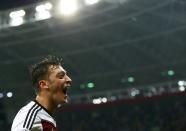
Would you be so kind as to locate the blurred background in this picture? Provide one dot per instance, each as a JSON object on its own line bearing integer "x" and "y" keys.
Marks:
{"x": 127, "y": 59}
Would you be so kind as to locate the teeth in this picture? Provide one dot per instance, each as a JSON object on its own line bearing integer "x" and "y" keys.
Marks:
{"x": 65, "y": 89}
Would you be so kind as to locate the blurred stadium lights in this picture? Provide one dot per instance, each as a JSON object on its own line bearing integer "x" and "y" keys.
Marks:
{"x": 181, "y": 83}
{"x": 130, "y": 93}
{"x": 182, "y": 88}
{"x": 91, "y": 2}
{"x": 171, "y": 72}
{"x": 131, "y": 79}
{"x": 17, "y": 17}
{"x": 9, "y": 94}
{"x": 99, "y": 100}
{"x": 15, "y": 14}
{"x": 90, "y": 85}
{"x": 43, "y": 11}
{"x": 104, "y": 99}
{"x": 68, "y": 7}
{"x": 134, "y": 92}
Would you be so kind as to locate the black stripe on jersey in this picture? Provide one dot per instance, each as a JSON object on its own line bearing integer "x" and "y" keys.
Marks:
{"x": 29, "y": 115}
{"x": 33, "y": 118}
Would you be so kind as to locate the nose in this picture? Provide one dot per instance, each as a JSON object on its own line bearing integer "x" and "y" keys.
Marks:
{"x": 68, "y": 80}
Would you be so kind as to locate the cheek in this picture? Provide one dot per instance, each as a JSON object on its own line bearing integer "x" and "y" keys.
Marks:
{"x": 57, "y": 85}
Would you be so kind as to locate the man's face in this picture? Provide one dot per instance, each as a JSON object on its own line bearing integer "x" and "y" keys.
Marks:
{"x": 59, "y": 82}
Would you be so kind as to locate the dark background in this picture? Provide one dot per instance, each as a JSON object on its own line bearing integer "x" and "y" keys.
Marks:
{"x": 9, "y": 4}
{"x": 104, "y": 44}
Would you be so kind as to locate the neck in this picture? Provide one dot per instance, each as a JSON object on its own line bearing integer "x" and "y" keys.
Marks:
{"x": 46, "y": 103}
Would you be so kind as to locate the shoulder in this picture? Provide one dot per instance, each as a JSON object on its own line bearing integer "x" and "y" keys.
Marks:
{"x": 26, "y": 117}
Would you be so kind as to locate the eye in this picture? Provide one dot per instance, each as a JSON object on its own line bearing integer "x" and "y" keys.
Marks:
{"x": 61, "y": 75}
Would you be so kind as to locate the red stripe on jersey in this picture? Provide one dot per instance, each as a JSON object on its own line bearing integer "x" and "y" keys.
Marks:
{"x": 48, "y": 126}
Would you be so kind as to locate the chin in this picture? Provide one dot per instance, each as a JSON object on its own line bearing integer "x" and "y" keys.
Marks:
{"x": 64, "y": 101}
{"x": 61, "y": 103}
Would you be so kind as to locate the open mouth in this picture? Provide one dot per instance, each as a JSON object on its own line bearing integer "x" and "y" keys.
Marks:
{"x": 65, "y": 90}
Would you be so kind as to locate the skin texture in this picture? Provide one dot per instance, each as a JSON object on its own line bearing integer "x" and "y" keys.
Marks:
{"x": 53, "y": 91}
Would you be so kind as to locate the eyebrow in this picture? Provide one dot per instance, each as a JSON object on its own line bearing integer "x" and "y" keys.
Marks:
{"x": 61, "y": 72}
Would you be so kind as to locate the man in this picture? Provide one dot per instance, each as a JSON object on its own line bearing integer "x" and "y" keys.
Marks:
{"x": 51, "y": 83}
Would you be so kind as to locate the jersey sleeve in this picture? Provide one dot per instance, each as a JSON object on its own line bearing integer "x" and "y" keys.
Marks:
{"x": 25, "y": 121}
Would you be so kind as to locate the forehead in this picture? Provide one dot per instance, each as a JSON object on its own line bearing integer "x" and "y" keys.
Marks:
{"x": 56, "y": 69}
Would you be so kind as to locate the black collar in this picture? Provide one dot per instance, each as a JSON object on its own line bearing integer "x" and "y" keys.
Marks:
{"x": 43, "y": 107}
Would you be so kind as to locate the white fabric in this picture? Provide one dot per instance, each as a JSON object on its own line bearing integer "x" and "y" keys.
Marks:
{"x": 31, "y": 117}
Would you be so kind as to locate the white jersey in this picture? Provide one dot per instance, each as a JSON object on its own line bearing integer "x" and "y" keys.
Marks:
{"x": 33, "y": 117}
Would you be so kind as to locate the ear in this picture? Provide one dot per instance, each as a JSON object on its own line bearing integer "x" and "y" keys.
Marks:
{"x": 43, "y": 84}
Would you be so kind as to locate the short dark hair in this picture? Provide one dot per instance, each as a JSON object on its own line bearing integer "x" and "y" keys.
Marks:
{"x": 40, "y": 70}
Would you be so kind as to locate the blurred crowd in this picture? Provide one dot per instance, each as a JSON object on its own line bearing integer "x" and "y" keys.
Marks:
{"x": 167, "y": 114}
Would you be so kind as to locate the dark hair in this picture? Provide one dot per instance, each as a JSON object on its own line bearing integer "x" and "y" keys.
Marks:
{"x": 40, "y": 70}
